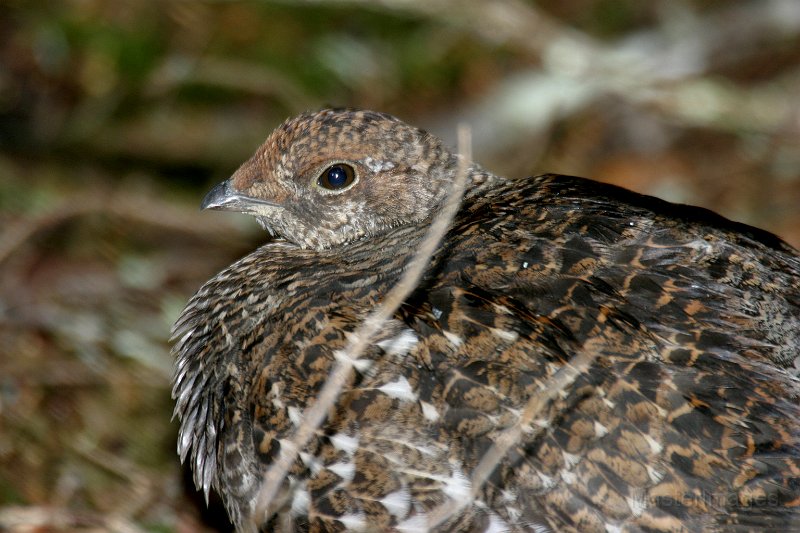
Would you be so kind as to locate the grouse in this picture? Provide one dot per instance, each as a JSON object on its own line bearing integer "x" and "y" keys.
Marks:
{"x": 574, "y": 356}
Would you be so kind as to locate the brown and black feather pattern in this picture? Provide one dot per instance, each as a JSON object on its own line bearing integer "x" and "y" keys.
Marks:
{"x": 688, "y": 420}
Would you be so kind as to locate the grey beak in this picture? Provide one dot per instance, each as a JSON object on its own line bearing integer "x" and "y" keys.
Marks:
{"x": 224, "y": 197}
{"x": 219, "y": 197}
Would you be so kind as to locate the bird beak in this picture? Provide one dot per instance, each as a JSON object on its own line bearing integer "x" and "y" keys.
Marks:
{"x": 225, "y": 198}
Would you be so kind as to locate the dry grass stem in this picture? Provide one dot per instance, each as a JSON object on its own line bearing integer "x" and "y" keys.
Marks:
{"x": 534, "y": 410}
{"x": 314, "y": 416}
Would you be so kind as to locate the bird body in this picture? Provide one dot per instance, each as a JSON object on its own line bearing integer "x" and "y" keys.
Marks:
{"x": 686, "y": 417}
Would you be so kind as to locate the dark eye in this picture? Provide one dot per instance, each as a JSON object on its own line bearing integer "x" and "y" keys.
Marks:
{"x": 336, "y": 177}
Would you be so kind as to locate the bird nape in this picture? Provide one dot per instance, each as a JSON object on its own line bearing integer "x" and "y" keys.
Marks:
{"x": 575, "y": 356}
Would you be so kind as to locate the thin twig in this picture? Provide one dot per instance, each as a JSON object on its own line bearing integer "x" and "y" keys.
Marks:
{"x": 122, "y": 204}
{"x": 551, "y": 388}
{"x": 314, "y": 416}
{"x": 55, "y": 518}
{"x": 141, "y": 488}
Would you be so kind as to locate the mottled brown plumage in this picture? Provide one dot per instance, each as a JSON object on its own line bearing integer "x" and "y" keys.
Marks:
{"x": 688, "y": 418}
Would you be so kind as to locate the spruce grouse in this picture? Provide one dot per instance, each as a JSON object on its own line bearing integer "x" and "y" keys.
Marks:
{"x": 686, "y": 417}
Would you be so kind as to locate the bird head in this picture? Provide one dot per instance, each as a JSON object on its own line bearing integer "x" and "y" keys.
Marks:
{"x": 329, "y": 178}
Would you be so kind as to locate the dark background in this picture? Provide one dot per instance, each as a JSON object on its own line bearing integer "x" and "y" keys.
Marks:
{"x": 116, "y": 117}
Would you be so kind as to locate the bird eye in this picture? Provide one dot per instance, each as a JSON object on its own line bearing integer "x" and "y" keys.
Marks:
{"x": 336, "y": 177}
